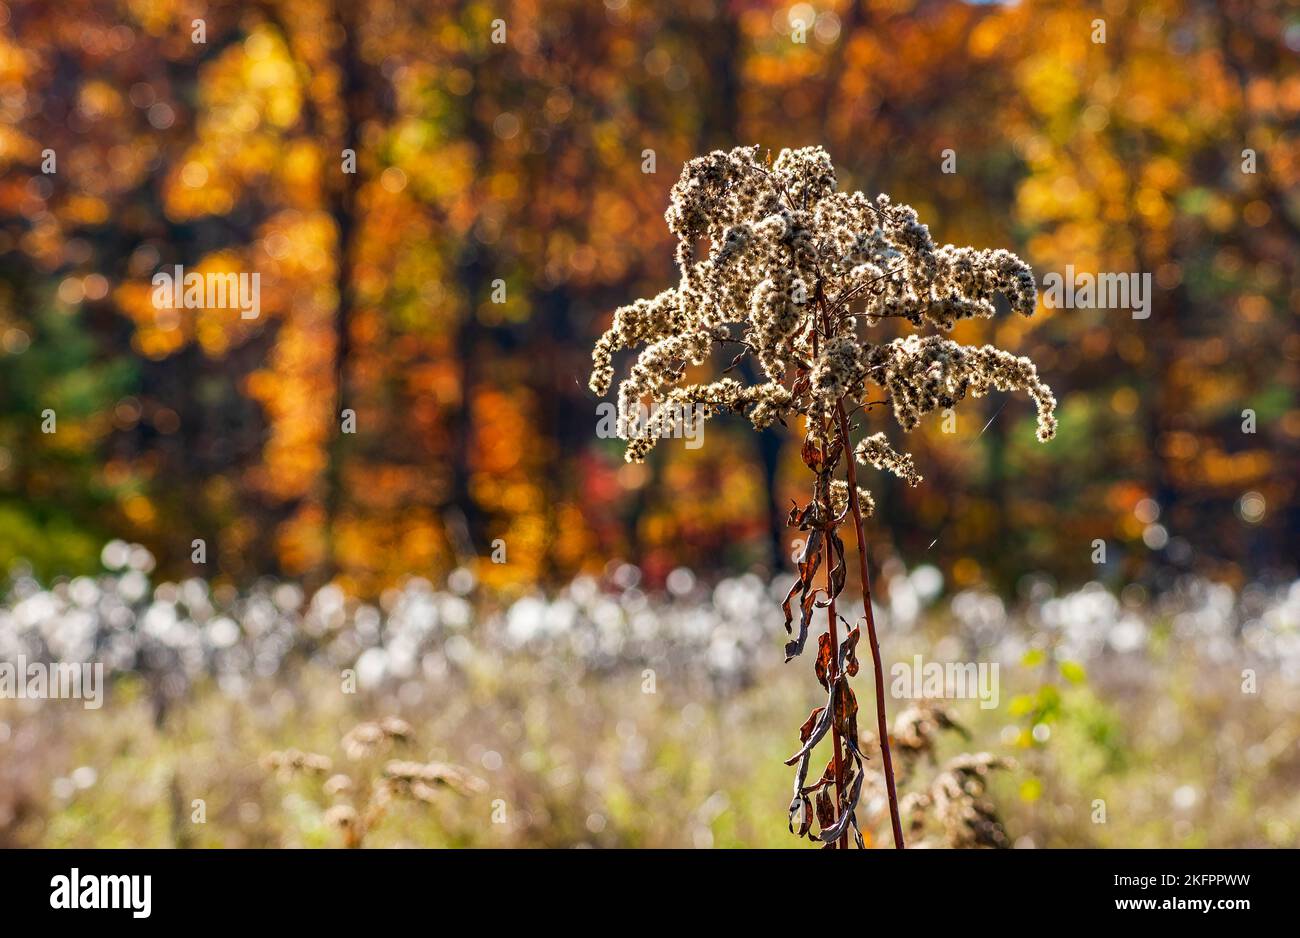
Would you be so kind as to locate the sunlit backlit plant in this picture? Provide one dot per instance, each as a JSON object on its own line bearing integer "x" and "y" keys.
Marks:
{"x": 792, "y": 271}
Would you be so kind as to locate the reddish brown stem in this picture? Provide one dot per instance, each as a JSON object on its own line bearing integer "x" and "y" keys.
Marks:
{"x": 882, "y": 722}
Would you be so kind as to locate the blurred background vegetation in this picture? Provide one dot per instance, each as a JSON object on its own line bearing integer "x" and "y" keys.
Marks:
{"x": 482, "y": 165}
{"x": 522, "y": 162}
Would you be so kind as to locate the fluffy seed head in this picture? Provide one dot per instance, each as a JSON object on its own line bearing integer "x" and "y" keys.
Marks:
{"x": 793, "y": 267}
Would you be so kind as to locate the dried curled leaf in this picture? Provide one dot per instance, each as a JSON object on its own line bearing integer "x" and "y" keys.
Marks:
{"x": 809, "y": 562}
{"x": 838, "y": 569}
{"x": 840, "y": 711}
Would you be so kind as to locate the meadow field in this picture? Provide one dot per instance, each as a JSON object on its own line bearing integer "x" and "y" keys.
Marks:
{"x": 602, "y": 715}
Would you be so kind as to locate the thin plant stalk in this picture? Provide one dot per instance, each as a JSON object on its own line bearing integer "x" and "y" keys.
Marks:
{"x": 882, "y": 722}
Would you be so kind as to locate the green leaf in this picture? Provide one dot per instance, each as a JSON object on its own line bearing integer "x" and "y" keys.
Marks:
{"x": 1073, "y": 672}
{"x": 1020, "y": 705}
{"x": 1033, "y": 658}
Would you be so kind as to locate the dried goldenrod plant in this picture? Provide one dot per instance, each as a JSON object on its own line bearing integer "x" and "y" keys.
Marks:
{"x": 792, "y": 273}
{"x": 953, "y": 809}
{"x": 360, "y": 800}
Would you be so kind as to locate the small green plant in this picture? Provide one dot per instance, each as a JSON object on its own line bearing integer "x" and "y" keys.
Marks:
{"x": 794, "y": 269}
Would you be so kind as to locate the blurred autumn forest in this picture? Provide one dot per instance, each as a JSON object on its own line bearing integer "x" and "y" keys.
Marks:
{"x": 522, "y": 163}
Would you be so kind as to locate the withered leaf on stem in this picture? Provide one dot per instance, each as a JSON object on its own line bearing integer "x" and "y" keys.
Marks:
{"x": 807, "y": 728}
{"x": 850, "y": 643}
{"x": 847, "y": 711}
{"x": 824, "y": 719}
{"x": 812, "y": 454}
{"x": 802, "y": 518}
{"x": 848, "y": 810}
{"x": 809, "y": 562}
{"x": 825, "y": 809}
{"x": 800, "y": 811}
{"x": 800, "y": 806}
{"x": 823, "y": 664}
{"x": 795, "y": 647}
{"x": 818, "y": 460}
{"x": 838, "y": 568}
